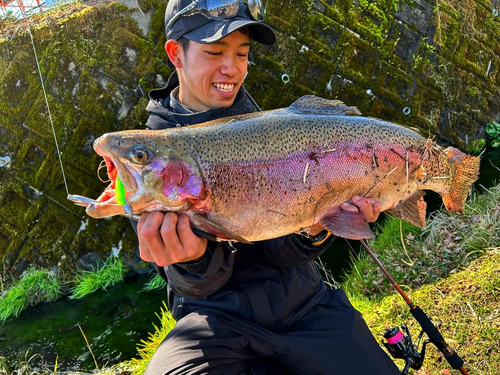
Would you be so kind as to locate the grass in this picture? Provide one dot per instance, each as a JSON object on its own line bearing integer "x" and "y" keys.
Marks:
{"x": 156, "y": 282}
{"x": 451, "y": 269}
{"x": 34, "y": 287}
{"x": 44, "y": 286}
{"x": 416, "y": 257}
{"x": 465, "y": 308}
{"x": 147, "y": 347}
{"x": 29, "y": 365}
{"x": 110, "y": 273}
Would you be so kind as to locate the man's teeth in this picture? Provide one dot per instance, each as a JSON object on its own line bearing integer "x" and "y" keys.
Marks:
{"x": 224, "y": 87}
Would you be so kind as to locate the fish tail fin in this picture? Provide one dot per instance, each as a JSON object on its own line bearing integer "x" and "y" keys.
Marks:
{"x": 467, "y": 172}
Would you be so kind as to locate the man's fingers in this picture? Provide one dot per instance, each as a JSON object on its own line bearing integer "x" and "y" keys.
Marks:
{"x": 169, "y": 234}
{"x": 145, "y": 253}
{"x": 165, "y": 238}
{"x": 151, "y": 243}
{"x": 376, "y": 210}
{"x": 348, "y": 207}
{"x": 194, "y": 246}
{"x": 147, "y": 229}
{"x": 367, "y": 206}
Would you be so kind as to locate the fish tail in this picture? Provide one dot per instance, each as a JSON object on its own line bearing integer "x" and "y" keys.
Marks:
{"x": 467, "y": 172}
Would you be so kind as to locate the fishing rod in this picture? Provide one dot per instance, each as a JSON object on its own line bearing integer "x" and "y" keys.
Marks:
{"x": 401, "y": 346}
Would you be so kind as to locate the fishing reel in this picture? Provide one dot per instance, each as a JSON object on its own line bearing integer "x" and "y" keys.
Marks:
{"x": 400, "y": 346}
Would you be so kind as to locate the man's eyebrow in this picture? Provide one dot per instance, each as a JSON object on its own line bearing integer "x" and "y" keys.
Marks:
{"x": 225, "y": 44}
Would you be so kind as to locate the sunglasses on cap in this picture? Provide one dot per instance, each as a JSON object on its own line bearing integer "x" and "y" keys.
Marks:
{"x": 220, "y": 9}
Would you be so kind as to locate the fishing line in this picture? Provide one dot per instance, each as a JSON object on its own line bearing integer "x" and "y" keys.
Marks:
{"x": 46, "y": 102}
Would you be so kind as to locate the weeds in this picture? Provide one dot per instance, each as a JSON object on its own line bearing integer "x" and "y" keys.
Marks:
{"x": 476, "y": 146}
{"x": 11, "y": 25}
{"x": 36, "y": 286}
{"x": 463, "y": 306}
{"x": 30, "y": 364}
{"x": 493, "y": 130}
{"x": 447, "y": 243}
{"x": 147, "y": 348}
{"x": 156, "y": 282}
{"x": 111, "y": 272}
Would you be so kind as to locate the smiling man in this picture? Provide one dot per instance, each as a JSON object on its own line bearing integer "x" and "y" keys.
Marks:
{"x": 210, "y": 75}
{"x": 242, "y": 309}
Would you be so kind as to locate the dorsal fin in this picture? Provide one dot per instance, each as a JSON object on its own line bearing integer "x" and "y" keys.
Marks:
{"x": 315, "y": 105}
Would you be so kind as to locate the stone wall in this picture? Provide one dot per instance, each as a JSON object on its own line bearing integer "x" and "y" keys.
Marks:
{"x": 437, "y": 60}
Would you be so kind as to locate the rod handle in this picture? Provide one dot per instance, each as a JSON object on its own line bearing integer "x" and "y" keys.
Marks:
{"x": 436, "y": 338}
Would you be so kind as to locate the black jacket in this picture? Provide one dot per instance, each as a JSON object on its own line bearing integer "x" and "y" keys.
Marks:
{"x": 272, "y": 283}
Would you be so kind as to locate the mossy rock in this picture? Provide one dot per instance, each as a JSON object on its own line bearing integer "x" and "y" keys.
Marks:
{"x": 438, "y": 59}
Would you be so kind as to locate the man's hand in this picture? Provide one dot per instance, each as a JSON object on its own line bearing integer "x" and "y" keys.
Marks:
{"x": 367, "y": 206}
{"x": 166, "y": 238}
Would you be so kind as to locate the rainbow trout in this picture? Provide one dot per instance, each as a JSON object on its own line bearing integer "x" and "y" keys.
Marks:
{"x": 264, "y": 175}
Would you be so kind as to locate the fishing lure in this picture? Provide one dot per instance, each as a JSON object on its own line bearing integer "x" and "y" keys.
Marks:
{"x": 119, "y": 191}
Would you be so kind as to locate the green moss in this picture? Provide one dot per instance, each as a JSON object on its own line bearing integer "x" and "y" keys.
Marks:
{"x": 157, "y": 33}
{"x": 121, "y": 7}
{"x": 98, "y": 67}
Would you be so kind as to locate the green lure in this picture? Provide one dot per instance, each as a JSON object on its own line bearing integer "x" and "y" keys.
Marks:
{"x": 119, "y": 191}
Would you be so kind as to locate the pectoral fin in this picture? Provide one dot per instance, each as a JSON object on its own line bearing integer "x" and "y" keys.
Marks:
{"x": 216, "y": 229}
{"x": 347, "y": 224}
{"x": 412, "y": 210}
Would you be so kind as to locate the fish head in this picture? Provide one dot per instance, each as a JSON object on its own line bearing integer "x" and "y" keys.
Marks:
{"x": 155, "y": 176}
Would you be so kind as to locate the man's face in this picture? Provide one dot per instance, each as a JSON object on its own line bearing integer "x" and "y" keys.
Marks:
{"x": 212, "y": 74}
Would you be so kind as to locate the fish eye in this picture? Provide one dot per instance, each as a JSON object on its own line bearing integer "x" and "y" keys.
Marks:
{"x": 139, "y": 155}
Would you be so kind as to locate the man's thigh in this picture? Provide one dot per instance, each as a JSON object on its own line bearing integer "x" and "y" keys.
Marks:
{"x": 210, "y": 342}
{"x": 334, "y": 339}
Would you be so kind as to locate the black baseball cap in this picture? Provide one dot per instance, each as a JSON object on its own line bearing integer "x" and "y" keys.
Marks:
{"x": 201, "y": 29}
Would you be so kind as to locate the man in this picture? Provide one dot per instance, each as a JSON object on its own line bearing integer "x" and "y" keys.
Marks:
{"x": 242, "y": 309}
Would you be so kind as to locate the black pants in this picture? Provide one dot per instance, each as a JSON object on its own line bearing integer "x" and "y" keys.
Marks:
{"x": 331, "y": 339}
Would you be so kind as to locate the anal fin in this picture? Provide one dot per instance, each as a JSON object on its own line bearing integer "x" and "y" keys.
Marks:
{"x": 218, "y": 230}
{"x": 347, "y": 224}
{"x": 412, "y": 210}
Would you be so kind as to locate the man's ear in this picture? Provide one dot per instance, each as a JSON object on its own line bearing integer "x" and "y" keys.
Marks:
{"x": 174, "y": 52}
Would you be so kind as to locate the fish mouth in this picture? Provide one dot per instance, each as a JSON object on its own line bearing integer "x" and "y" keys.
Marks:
{"x": 107, "y": 204}
{"x": 128, "y": 176}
